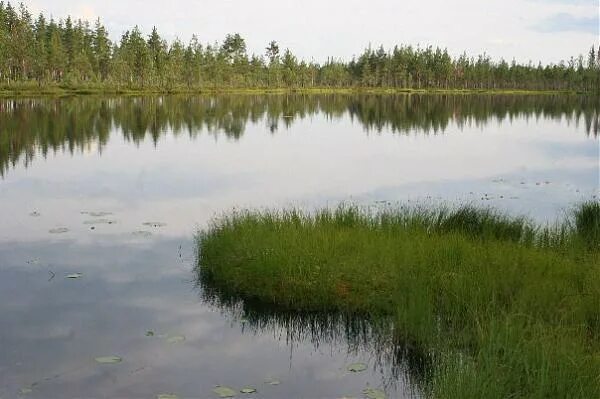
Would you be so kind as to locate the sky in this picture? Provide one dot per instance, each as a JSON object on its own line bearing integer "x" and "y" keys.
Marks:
{"x": 536, "y": 30}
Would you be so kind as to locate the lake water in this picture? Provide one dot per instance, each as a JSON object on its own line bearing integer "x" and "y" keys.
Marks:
{"x": 116, "y": 188}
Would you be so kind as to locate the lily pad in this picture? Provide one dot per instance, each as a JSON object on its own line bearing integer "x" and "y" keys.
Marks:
{"x": 154, "y": 224}
{"x": 74, "y": 275}
{"x": 357, "y": 367}
{"x": 175, "y": 339}
{"x": 96, "y": 214}
{"x": 167, "y": 396}
{"x": 224, "y": 392}
{"x": 372, "y": 393}
{"x": 248, "y": 390}
{"x": 272, "y": 381}
{"x": 142, "y": 233}
{"x": 58, "y": 230}
{"x": 108, "y": 359}
{"x": 100, "y": 221}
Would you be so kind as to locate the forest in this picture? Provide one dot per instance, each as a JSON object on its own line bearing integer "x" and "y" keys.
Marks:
{"x": 41, "y": 52}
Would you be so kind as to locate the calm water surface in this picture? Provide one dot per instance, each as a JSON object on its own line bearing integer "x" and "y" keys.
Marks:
{"x": 100, "y": 169}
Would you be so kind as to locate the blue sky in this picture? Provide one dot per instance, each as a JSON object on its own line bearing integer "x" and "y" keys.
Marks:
{"x": 544, "y": 30}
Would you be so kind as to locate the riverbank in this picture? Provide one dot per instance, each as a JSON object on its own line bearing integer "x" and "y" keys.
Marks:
{"x": 504, "y": 308}
{"x": 35, "y": 90}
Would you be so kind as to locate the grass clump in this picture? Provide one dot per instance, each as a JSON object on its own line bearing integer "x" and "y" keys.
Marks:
{"x": 587, "y": 224}
{"x": 506, "y": 309}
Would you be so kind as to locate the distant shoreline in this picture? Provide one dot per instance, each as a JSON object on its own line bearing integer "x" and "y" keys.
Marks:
{"x": 70, "y": 91}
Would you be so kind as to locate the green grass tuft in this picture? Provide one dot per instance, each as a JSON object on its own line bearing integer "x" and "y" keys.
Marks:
{"x": 587, "y": 223}
{"x": 506, "y": 309}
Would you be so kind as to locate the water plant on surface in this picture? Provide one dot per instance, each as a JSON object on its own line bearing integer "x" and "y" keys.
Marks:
{"x": 503, "y": 307}
{"x": 357, "y": 367}
{"x": 58, "y": 230}
{"x": 224, "y": 392}
{"x": 108, "y": 359}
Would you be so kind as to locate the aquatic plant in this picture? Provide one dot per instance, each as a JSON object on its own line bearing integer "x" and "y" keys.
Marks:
{"x": 503, "y": 307}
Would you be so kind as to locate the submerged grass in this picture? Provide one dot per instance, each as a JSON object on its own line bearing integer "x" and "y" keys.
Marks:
{"x": 505, "y": 308}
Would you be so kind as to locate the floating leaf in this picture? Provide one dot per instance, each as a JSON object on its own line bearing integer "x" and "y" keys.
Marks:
{"x": 142, "y": 233}
{"x": 154, "y": 224}
{"x": 99, "y": 214}
{"x": 108, "y": 359}
{"x": 224, "y": 392}
{"x": 58, "y": 230}
{"x": 167, "y": 396}
{"x": 96, "y": 214}
{"x": 74, "y": 275}
{"x": 272, "y": 381}
{"x": 248, "y": 390}
{"x": 372, "y": 393}
{"x": 175, "y": 339}
{"x": 100, "y": 221}
{"x": 357, "y": 367}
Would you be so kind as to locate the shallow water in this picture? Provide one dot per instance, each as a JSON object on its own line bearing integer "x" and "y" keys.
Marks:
{"x": 115, "y": 188}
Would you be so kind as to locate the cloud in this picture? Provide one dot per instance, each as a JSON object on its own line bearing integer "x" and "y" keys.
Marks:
{"x": 307, "y": 27}
{"x": 563, "y": 22}
{"x": 573, "y": 2}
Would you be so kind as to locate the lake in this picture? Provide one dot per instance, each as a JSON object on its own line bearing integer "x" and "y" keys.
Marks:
{"x": 101, "y": 198}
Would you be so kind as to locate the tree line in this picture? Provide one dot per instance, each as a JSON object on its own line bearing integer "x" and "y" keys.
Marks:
{"x": 43, "y": 51}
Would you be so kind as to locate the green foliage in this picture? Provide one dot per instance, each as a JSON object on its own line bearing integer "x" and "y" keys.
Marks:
{"x": 74, "y": 54}
{"x": 587, "y": 223}
{"x": 502, "y": 310}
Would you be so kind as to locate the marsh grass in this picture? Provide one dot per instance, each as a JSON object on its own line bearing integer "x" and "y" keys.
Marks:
{"x": 586, "y": 224}
{"x": 507, "y": 308}
{"x": 35, "y": 89}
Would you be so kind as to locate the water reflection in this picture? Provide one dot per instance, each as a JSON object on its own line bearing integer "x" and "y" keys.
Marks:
{"x": 404, "y": 366}
{"x": 29, "y": 126}
{"x": 52, "y": 330}
{"x": 181, "y": 160}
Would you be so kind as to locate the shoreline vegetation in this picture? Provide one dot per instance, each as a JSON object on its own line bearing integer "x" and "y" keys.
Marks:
{"x": 60, "y": 91}
{"x": 42, "y": 55}
{"x": 499, "y": 306}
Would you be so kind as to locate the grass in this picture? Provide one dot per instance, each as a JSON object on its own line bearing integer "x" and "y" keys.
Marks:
{"x": 504, "y": 308}
{"x": 34, "y": 89}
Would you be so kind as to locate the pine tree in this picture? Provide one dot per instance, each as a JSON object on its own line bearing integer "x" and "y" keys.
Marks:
{"x": 101, "y": 50}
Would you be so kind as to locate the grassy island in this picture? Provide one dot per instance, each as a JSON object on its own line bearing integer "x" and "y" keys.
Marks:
{"x": 502, "y": 307}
